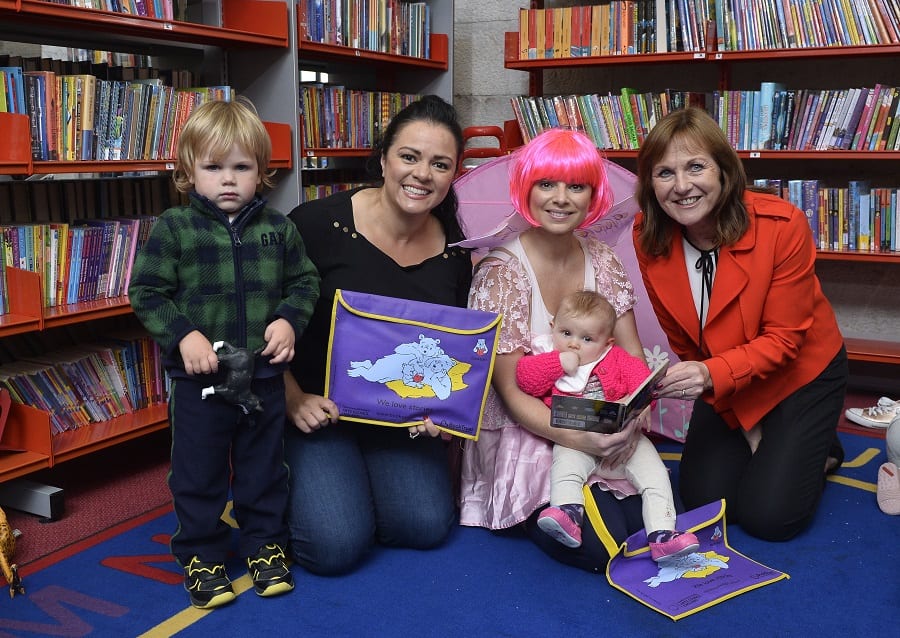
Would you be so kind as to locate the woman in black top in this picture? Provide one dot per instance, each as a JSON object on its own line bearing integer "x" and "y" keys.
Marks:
{"x": 353, "y": 484}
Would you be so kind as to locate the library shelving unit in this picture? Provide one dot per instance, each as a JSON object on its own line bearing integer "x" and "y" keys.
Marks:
{"x": 243, "y": 43}
{"x": 254, "y": 46}
{"x": 263, "y": 26}
{"x": 744, "y": 69}
{"x": 367, "y": 70}
{"x": 27, "y": 439}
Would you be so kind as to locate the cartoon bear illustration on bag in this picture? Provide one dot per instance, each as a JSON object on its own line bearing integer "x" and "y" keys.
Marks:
{"x": 416, "y": 364}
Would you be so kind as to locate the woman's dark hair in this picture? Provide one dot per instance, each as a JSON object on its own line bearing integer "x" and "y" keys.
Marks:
{"x": 433, "y": 109}
{"x": 697, "y": 130}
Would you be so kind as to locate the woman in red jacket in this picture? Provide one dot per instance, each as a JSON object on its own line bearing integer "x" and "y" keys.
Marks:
{"x": 731, "y": 276}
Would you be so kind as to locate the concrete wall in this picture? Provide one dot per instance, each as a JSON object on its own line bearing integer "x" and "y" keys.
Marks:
{"x": 481, "y": 86}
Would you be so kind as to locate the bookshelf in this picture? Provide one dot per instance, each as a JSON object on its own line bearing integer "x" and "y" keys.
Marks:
{"x": 257, "y": 47}
{"x": 28, "y": 433}
{"x": 364, "y": 70}
{"x": 707, "y": 68}
{"x": 236, "y": 33}
{"x": 243, "y": 27}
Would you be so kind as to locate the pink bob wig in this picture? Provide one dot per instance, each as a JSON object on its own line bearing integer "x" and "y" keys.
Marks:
{"x": 560, "y": 155}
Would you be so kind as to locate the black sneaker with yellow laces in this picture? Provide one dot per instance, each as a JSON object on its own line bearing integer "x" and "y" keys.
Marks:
{"x": 207, "y": 584}
{"x": 269, "y": 571}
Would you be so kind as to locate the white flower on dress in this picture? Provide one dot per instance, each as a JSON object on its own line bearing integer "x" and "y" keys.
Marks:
{"x": 656, "y": 357}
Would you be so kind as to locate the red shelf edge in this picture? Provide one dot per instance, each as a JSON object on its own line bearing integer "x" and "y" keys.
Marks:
{"x": 17, "y": 464}
{"x": 439, "y": 43}
{"x": 336, "y": 152}
{"x": 28, "y": 430}
{"x": 28, "y": 315}
{"x": 513, "y": 61}
{"x": 272, "y": 31}
{"x": 281, "y": 158}
{"x": 98, "y": 436}
{"x": 858, "y": 255}
{"x": 873, "y": 350}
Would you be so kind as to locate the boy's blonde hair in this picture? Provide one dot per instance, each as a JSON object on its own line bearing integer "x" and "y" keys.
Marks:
{"x": 587, "y": 303}
{"x": 217, "y": 127}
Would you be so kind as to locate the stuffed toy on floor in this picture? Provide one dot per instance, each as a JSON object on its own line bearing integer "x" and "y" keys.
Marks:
{"x": 7, "y": 550}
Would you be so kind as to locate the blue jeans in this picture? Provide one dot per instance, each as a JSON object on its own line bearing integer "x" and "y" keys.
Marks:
{"x": 353, "y": 485}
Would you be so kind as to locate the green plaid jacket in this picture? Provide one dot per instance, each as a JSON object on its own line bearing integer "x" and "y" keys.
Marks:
{"x": 229, "y": 281}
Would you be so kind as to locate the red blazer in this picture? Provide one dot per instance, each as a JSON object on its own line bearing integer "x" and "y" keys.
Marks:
{"x": 769, "y": 330}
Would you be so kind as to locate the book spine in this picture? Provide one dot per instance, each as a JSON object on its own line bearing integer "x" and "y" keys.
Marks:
{"x": 855, "y": 191}
{"x": 89, "y": 93}
{"x": 810, "y": 207}
{"x": 878, "y": 119}
{"x": 860, "y": 136}
{"x": 629, "y": 118}
{"x": 766, "y": 100}
{"x": 862, "y": 229}
{"x": 891, "y": 144}
{"x": 35, "y": 117}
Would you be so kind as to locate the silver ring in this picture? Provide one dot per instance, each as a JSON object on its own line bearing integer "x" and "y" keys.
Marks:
{"x": 413, "y": 435}
{"x": 682, "y": 393}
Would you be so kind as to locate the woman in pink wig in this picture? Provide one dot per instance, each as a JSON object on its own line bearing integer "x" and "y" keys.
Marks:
{"x": 558, "y": 184}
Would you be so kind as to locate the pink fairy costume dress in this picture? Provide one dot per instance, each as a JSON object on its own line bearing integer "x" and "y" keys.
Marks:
{"x": 506, "y": 473}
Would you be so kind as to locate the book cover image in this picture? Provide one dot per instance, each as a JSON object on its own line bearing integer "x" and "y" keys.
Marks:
{"x": 598, "y": 415}
{"x": 395, "y": 361}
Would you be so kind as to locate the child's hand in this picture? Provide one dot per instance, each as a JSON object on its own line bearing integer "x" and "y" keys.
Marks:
{"x": 279, "y": 341}
{"x": 197, "y": 354}
{"x": 569, "y": 361}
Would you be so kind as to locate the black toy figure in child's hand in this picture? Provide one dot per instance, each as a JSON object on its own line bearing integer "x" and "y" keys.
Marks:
{"x": 239, "y": 363}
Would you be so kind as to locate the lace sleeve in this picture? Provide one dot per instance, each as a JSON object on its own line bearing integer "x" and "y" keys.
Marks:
{"x": 611, "y": 277}
{"x": 500, "y": 285}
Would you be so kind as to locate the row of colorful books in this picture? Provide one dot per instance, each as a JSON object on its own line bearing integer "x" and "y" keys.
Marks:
{"x": 82, "y": 117}
{"x": 12, "y": 90}
{"x": 771, "y": 118}
{"x": 81, "y": 385}
{"x": 859, "y": 118}
{"x": 648, "y": 26}
{"x": 337, "y": 117}
{"x": 84, "y": 262}
{"x": 858, "y": 217}
{"x": 310, "y": 192}
{"x": 386, "y": 26}
{"x": 162, "y": 9}
{"x": 105, "y": 65}
{"x": 612, "y": 28}
{"x": 613, "y": 121}
{"x": 748, "y": 25}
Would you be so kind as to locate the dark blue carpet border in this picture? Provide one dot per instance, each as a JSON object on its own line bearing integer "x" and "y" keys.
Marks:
{"x": 843, "y": 581}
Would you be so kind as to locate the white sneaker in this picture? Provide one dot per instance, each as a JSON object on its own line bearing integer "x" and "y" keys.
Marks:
{"x": 877, "y": 416}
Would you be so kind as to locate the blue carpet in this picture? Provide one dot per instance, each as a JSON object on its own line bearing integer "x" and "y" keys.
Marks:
{"x": 844, "y": 580}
